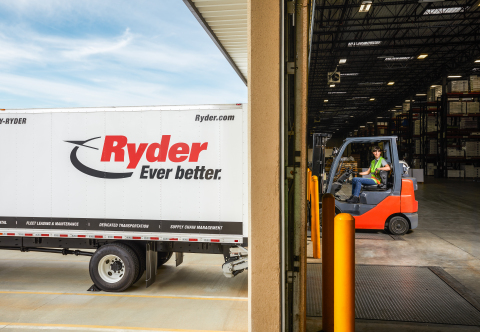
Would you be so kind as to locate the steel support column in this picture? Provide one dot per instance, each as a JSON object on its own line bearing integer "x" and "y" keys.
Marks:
{"x": 296, "y": 32}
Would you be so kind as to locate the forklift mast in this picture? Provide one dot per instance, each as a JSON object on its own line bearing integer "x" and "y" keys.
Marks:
{"x": 318, "y": 157}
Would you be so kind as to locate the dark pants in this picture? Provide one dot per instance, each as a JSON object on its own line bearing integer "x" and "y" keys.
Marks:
{"x": 357, "y": 185}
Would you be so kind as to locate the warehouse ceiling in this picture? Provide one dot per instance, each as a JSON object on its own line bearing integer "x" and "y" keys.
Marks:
{"x": 385, "y": 44}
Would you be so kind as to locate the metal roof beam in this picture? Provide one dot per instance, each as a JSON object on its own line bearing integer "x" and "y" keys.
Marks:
{"x": 397, "y": 40}
{"x": 214, "y": 38}
{"x": 406, "y": 46}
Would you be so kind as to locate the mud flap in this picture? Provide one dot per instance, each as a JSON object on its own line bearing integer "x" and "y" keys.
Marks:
{"x": 151, "y": 268}
{"x": 178, "y": 258}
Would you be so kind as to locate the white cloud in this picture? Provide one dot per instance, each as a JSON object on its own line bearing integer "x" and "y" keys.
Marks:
{"x": 131, "y": 50}
{"x": 57, "y": 53}
{"x": 93, "y": 47}
{"x": 50, "y": 93}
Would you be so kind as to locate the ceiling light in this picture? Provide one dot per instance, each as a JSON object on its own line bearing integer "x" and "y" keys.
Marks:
{"x": 398, "y": 106}
{"x": 332, "y": 85}
{"x": 365, "y": 6}
{"x": 454, "y": 76}
{"x": 372, "y": 99}
{"x": 433, "y": 86}
{"x": 421, "y": 94}
{"x": 407, "y": 101}
{"x": 351, "y": 116}
{"x": 367, "y": 43}
{"x": 336, "y": 92}
{"x": 390, "y": 83}
{"x": 448, "y": 10}
{"x": 422, "y": 56}
{"x": 362, "y": 126}
{"x": 399, "y": 58}
{"x": 349, "y": 74}
{"x": 420, "y": 1}
{"x": 371, "y": 83}
{"x": 478, "y": 59}
{"x": 369, "y": 122}
{"x": 325, "y": 101}
{"x": 342, "y": 61}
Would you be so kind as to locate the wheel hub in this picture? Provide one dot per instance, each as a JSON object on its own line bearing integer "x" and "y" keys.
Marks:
{"x": 111, "y": 268}
{"x": 116, "y": 266}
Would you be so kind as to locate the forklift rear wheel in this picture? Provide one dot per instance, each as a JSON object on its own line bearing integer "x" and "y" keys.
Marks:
{"x": 398, "y": 225}
{"x": 114, "y": 267}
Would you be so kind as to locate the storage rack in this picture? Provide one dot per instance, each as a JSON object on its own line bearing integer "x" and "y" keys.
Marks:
{"x": 402, "y": 130}
{"x": 454, "y": 138}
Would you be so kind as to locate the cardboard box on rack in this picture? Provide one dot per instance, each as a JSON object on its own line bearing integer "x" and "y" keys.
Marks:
{"x": 473, "y": 107}
{"x": 434, "y": 93}
{"x": 474, "y": 81}
{"x": 470, "y": 171}
{"x": 455, "y": 173}
{"x": 456, "y": 107}
{"x": 460, "y": 86}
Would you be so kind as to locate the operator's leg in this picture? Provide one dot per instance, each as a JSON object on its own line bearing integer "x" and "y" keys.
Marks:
{"x": 357, "y": 187}
{"x": 355, "y": 184}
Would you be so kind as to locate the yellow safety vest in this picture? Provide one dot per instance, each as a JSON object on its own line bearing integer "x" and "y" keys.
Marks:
{"x": 373, "y": 170}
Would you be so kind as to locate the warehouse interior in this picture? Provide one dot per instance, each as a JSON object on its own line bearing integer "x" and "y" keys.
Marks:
{"x": 405, "y": 68}
{"x": 409, "y": 69}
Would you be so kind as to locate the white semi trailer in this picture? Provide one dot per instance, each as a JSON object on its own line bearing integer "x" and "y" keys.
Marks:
{"x": 136, "y": 184}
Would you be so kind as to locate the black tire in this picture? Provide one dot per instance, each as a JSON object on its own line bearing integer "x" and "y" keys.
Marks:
{"x": 114, "y": 267}
{"x": 163, "y": 257}
{"x": 398, "y": 225}
{"x": 141, "y": 253}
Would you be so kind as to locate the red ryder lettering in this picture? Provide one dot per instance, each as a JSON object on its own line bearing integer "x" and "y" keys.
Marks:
{"x": 154, "y": 152}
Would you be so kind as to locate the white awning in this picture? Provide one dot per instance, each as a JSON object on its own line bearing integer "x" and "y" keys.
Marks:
{"x": 225, "y": 21}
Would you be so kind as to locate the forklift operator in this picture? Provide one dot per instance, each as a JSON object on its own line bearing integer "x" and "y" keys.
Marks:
{"x": 377, "y": 165}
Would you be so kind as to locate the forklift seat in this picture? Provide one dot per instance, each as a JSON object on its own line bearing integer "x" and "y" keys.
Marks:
{"x": 378, "y": 187}
{"x": 374, "y": 187}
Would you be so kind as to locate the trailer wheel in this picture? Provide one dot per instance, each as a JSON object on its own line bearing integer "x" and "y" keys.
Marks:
{"x": 163, "y": 257}
{"x": 141, "y": 255}
{"x": 114, "y": 267}
{"x": 398, "y": 225}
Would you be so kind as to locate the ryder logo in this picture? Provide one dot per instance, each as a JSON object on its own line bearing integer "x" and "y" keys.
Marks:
{"x": 90, "y": 171}
{"x": 116, "y": 147}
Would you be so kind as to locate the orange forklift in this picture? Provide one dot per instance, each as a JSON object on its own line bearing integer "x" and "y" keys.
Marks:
{"x": 389, "y": 206}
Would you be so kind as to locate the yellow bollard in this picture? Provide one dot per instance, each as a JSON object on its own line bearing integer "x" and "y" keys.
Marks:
{"x": 309, "y": 185}
{"x": 328, "y": 215}
{"x": 315, "y": 219}
{"x": 344, "y": 273}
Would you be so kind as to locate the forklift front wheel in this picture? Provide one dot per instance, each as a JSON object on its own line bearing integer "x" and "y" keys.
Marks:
{"x": 398, "y": 225}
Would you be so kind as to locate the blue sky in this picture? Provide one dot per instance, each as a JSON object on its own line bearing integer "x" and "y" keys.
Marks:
{"x": 66, "y": 53}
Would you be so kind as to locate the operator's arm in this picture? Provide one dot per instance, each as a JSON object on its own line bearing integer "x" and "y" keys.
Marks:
{"x": 384, "y": 168}
{"x": 365, "y": 173}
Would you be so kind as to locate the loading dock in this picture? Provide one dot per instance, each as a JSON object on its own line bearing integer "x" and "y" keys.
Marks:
{"x": 448, "y": 227}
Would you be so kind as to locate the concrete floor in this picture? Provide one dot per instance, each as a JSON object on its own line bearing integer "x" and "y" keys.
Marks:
{"x": 448, "y": 236}
{"x": 48, "y": 291}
